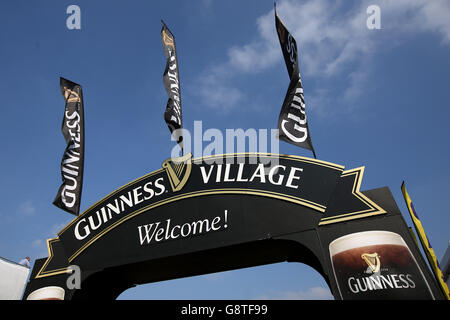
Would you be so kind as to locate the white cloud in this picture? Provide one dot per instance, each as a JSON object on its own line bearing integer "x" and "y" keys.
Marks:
{"x": 27, "y": 208}
{"x": 38, "y": 249}
{"x": 417, "y": 16}
{"x": 214, "y": 89}
{"x": 36, "y": 243}
{"x": 314, "y": 293}
{"x": 57, "y": 228}
{"x": 39, "y": 246}
{"x": 333, "y": 42}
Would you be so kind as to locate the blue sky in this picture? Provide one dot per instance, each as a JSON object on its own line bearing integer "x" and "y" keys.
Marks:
{"x": 375, "y": 98}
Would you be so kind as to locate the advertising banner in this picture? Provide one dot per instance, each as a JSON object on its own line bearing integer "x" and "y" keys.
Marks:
{"x": 377, "y": 265}
{"x": 292, "y": 122}
{"x": 173, "y": 114}
{"x": 68, "y": 197}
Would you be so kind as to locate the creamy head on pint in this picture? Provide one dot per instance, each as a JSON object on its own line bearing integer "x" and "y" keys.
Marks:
{"x": 47, "y": 293}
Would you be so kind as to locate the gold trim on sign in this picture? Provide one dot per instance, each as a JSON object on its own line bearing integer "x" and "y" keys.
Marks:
{"x": 43, "y": 273}
{"x": 374, "y": 209}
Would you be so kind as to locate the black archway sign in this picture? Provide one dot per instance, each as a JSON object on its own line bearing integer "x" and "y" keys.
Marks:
{"x": 224, "y": 212}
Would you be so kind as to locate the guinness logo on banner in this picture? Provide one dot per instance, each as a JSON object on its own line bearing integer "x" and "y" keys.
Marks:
{"x": 168, "y": 40}
{"x": 71, "y": 95}
{"x": 372, "y": 260}
{"x": 178, "y": 171}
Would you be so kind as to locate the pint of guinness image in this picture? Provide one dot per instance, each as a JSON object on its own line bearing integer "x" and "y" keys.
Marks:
{"x": 47, "y": 293}
{"x": 376, "y": 265}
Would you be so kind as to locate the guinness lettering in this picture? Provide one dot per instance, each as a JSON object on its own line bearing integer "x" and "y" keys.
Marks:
{"x": 70, "y": 163}
{"x": 174, "y": 88}
{"x": 296, "y": 113}
{"x": 392, "y": 281}
{"x": 117, "y": 206}
{"x": 291, "y": 48}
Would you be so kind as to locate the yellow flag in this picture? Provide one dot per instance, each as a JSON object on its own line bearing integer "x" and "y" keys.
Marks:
{"x": 426, "y": 245}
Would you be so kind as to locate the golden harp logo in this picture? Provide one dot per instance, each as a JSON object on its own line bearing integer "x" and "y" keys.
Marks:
{"x": 71, "y": 95}
{"x": 168, "y": 40}
{"x": 178, "y": 170}
{"x": 373, "y": 261}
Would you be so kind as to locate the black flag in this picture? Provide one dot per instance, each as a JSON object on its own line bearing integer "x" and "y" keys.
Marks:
{"x": 292, "y": 123}
{"x": 72, "y": 163}
{"x": 173, "y": 114}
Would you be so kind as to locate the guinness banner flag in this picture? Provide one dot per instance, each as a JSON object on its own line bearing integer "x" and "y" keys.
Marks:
{"x": 72, "y": 163}
{"x": 173, "y": 115}
{"x": 426, "y": 245}
{"x": 292, "y": 123}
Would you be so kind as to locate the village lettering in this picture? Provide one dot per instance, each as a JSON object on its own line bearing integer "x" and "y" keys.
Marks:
{"x": 278, "y": 175}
